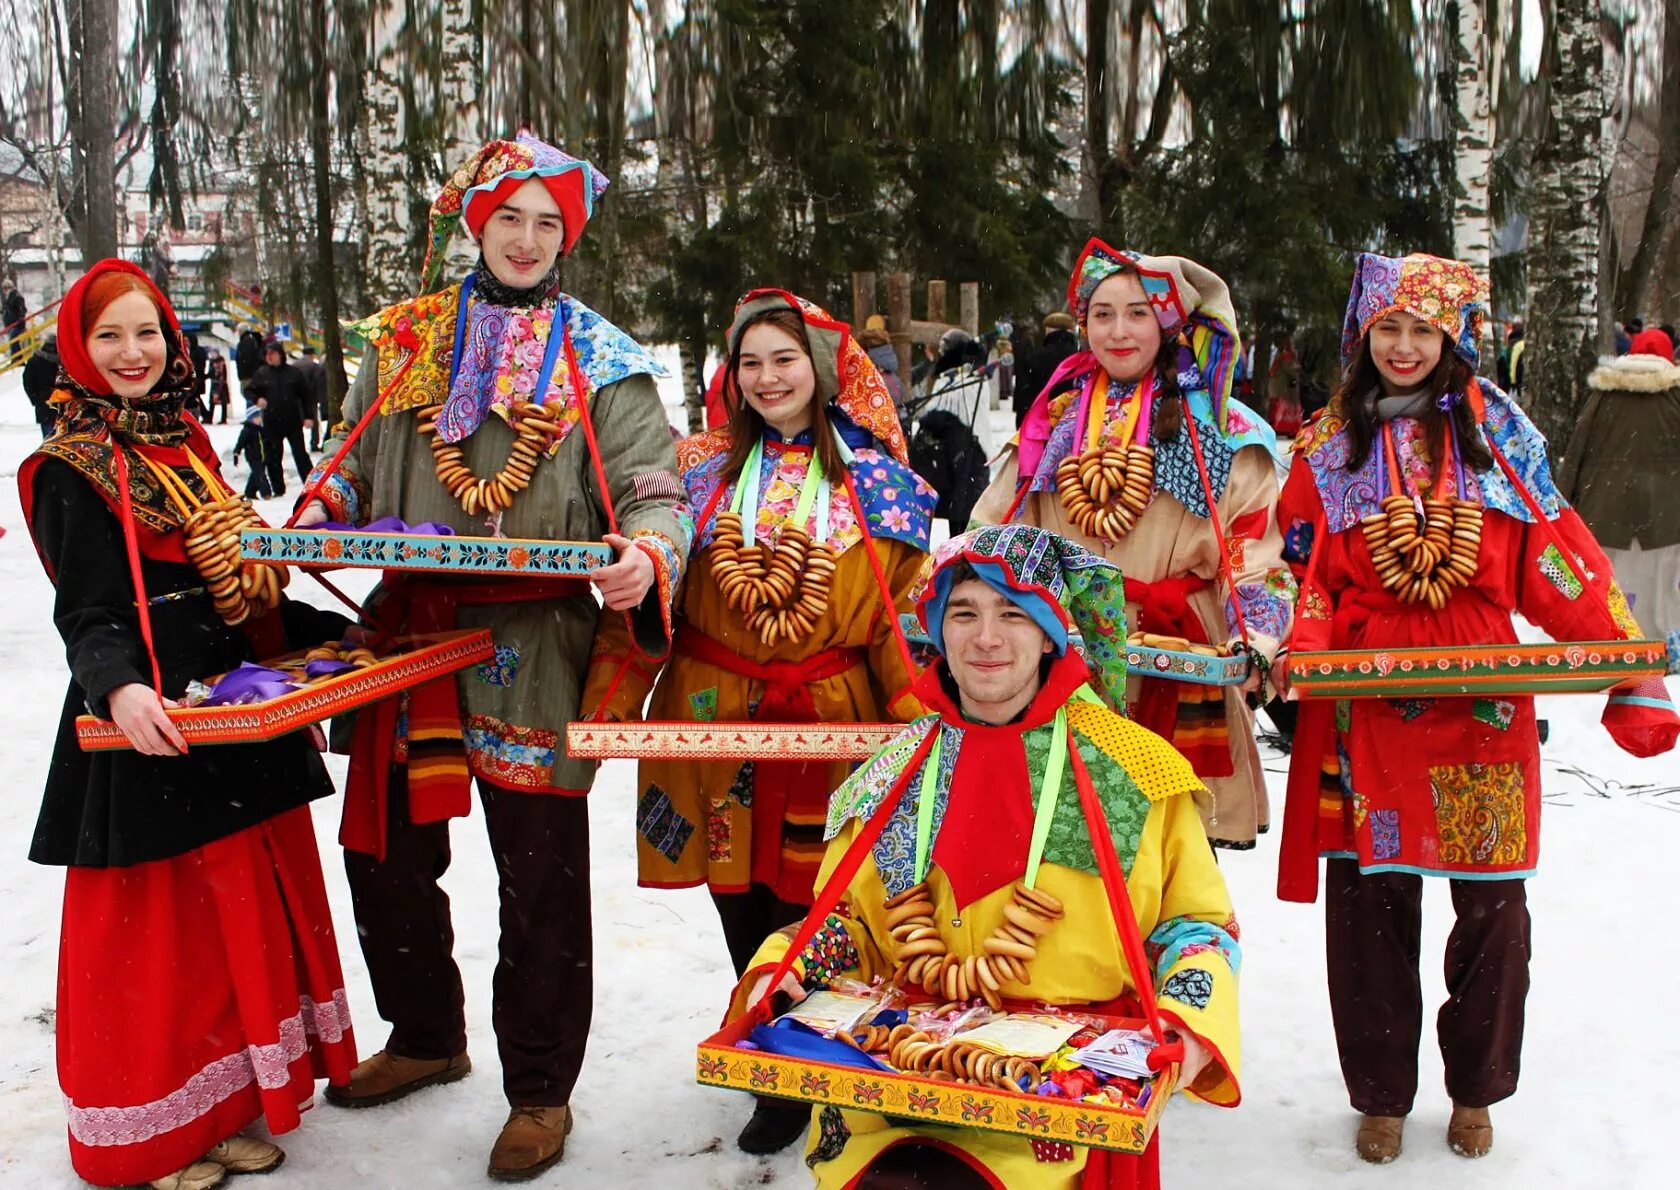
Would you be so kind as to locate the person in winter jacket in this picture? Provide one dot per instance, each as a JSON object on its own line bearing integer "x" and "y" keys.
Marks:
{"x": 13, "y": 311}
{"x": 285, "y": 395}
{"x": 316, "y": 412}
{"x": 248, "y": 356}
{"x": 255, "y": 450}
{"x": 1621, "y": 470}
{"x": 1033, "y": 372}
{"x": 40, "y": 375}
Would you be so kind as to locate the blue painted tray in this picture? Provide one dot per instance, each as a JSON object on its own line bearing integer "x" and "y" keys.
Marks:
{"x": 332, "y": 548}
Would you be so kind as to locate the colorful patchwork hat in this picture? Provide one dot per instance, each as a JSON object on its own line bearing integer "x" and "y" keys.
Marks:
{"x": 1447, "y": 294}
{"x": 846, "y": 376}
{"x": 1061, "y": 585}
{"x": 1189, "y": 300}
{"x": 488, "y": 179}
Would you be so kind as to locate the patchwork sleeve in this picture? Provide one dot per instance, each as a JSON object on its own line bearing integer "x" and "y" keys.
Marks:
{"x": 843, "y": 945}
{"x": 1195, "y": 952}
{"x": 347, "y": 494}
{"x": 1261, "y": 583}
{"x": 640, "y": 462}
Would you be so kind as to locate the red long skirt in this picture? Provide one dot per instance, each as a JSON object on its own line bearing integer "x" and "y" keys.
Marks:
{"x": 197, "y": 995}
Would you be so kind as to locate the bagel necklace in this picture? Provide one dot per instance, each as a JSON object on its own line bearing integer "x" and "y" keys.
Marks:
{"x": 782, "y": 589}
{"x": 1106, "y": 487}
{"x": 239, "y": 589}
{"x": 1422, "y": 548}
{"x": 923, "y": 958}
{"x": 535, "y": 426}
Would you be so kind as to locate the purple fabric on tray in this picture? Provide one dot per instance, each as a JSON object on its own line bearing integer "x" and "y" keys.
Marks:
{"x": 390, "y": 524}
{"x": 249, "y": 683}
{"x": 320, "y": 669}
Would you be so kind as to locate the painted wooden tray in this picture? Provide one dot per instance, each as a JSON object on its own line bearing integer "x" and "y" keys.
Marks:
{"x": 727, "y": 740}
{"x": 1125, "y": 1129}
{"x": 409, "y": 661}
{"x": 1577, "y": 668}
{"x": 330, "y": 548}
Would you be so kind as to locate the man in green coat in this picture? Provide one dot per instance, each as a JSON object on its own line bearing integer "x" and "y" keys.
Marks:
{"x": 505, "y": 408}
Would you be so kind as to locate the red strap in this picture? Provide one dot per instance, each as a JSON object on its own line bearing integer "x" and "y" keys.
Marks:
{"x": 841, "y": 878}
{"x": 1119, "y": 900}
{"x": 1539, "y": 514}
{"x": 1218, "y": 529}
{"x": 887, "y": 600}
{"x": 132, "y": 545}
{"x": 576, "y": 382}
{"x": 1015, "y": 504}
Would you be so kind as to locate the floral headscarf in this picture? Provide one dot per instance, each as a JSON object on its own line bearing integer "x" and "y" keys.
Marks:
{"x": 1447, "y": 294}
{"x": 1061, "y": 585}
{"x": 846, "y": 377}
{"x": 1189, "y": 300}
{"x": 489, "y": 178}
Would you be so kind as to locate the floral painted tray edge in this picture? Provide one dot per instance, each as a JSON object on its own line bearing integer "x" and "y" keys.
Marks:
{"x": 726, "y": 740}
{"x": 422, "y": 551}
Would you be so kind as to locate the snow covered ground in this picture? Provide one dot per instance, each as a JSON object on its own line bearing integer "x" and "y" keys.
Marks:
{"x": 1591, "y": 1112}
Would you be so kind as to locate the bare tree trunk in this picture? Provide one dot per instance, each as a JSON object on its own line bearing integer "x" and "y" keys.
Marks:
{"x": 463, "y": 81}
{"x": 1632, "y": 281}
{"x": 94, "y": 63}
{"x": 694, "y": 395}
{"x": 1566, "y": 207}
{"x": 388, "y": 269}
{"x": 1096, "y": 107}
{"x": 326, "y": 268}
{"x": 1472, "y": 119}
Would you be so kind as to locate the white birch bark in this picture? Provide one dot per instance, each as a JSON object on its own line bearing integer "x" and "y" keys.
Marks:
{"x": 463, "y": 83}
{"x": 1566, "y": 206}
{"x": 1472, "y": 139}
{"x": 389, "y": 271}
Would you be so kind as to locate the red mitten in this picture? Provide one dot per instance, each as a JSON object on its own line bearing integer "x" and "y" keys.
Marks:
{"x": 1641, "y": 718}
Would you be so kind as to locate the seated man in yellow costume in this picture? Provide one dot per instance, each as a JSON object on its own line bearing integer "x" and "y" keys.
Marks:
{"x": 1011, "y": 703}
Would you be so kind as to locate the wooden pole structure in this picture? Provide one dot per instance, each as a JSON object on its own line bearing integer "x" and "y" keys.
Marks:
{"x": 863, "y": 298}
{"x": 936, "y": 301}
{"x": 968, "y": 306}
{"x": 898, "y": 320}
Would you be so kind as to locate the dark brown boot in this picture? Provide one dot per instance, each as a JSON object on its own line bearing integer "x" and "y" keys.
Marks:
{"x": 1379, "y": 1138}
{"x": 387, "y": 1077}
{"x": 532, "y": 1140}
{"x": 1470, "y": 1131}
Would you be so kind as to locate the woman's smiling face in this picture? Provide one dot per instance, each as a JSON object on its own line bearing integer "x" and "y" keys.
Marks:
{"x": 1122, "y": 329}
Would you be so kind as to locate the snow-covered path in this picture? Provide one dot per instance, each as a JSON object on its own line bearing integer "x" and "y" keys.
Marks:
{"x": 1591, "y": 1112}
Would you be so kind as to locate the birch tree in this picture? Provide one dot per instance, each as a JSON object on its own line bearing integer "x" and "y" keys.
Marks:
{"x": 389, "y": 270}
{"x": 462, "y": 69}
{"x": 1472, "y": 132}
{"x": 1566, "y": 204}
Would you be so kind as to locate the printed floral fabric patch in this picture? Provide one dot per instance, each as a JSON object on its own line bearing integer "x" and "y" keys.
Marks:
{"x": 509, "y": 754}
{"x": 1411, "y": 708}
{"x": 1480, "y": 815}
{"x": 1385, "y": 834}
{"x": 657, "y": 820}
{"x": 741, "y": 788}
{"x": 1193, "y": 987}
{"x": 501, "y": 669}
{"x": 1495, "y": 712}
{"x": 832, "y": 1135}
{"x": 704, "y": 704}
{"x": 720, "y": 847}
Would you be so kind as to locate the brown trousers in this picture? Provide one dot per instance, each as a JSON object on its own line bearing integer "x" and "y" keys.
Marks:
{"x": 542, "y": 996}
{"x": 1372, "y": 925}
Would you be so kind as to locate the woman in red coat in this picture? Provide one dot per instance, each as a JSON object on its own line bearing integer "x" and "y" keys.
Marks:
{"x": 199, "y": 988}
{"x": 1415, "y": 454}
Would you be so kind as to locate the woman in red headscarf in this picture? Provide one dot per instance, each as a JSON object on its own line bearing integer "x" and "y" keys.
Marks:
{"x": 199, "y": 988}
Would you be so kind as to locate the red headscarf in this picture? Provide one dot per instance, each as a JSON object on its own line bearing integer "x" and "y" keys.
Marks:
{"x": 1651, "y": 341}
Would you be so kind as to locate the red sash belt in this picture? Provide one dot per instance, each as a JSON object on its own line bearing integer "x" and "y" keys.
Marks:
{"x": 780, "y": 788}
{"x": 439, "y": 782}
{"x": 1192, "y": 717}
